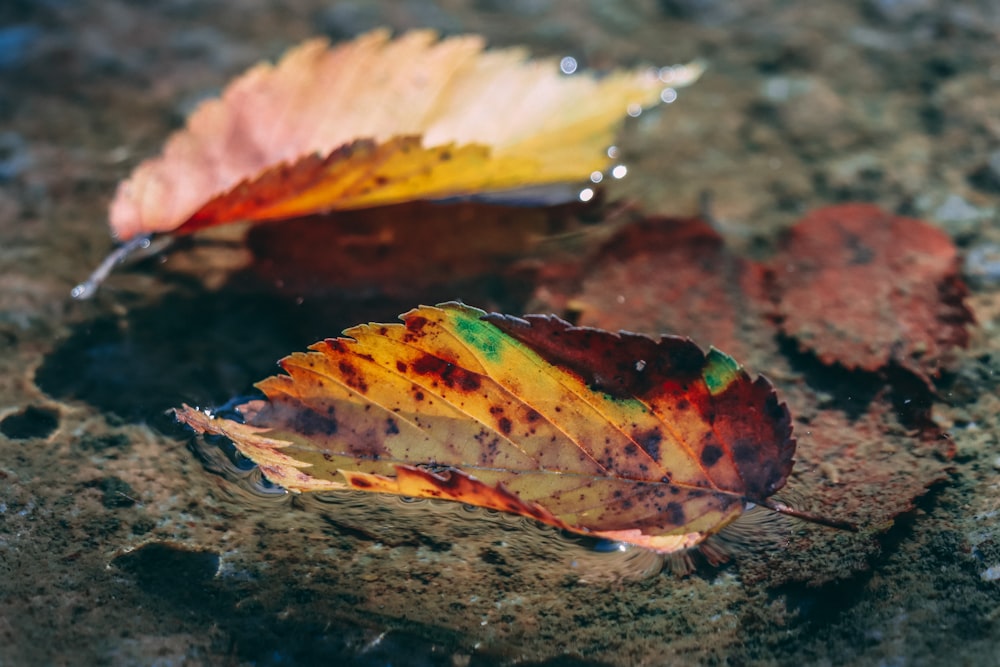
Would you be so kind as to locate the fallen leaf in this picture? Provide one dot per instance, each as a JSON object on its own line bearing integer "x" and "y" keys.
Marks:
{"x": 670, "y": 275}
{"x": 403, "y": 250}
{"x": 389, "y": 257}
{"x": 865, "y": 289}
{"x": 859, "y": 455}
{"x": 650, "y": 442}
{"x": 377, "y": 121}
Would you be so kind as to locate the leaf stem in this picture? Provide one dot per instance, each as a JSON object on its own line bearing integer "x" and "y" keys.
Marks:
{"x": 782, "y": 508}
{"x": 88, "y": 288}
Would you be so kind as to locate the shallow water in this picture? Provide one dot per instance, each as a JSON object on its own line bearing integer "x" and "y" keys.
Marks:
{"x": 122, "y": 542}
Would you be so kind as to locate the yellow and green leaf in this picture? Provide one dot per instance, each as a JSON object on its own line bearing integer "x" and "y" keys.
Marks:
{"x": 651, "y": 442}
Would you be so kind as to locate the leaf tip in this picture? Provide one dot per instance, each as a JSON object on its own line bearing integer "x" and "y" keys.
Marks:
{"x": 720, "y": 371}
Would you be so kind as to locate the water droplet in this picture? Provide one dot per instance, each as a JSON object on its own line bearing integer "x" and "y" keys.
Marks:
{"x": 567, "y": 65}
{"x": 596, "y": 177}
{"x": 609, "y": 546}
{"x": 586, "y": 194}
{"x": 668, "y": 95}
{"x": 619, "y": 171}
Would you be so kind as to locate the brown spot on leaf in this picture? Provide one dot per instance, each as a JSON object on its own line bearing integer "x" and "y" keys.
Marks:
{"x": 336, "y": 345}
{"x": 675, "y": 514}
{"x": 650, "y": 442}
{"x": 311, "y": 423}
{"x": 416, "y": 323}
{"x": 745, "y": 451}
{"x": 453, "y": 376}
{"x": 428, "y": 364}
{"x": 710, "y": 455}
{"x": 352, "y": 377}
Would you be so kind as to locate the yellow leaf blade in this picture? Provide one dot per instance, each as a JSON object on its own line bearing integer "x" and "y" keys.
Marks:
{"x": 507, "y": 122}
{"x": 526, "y": 416}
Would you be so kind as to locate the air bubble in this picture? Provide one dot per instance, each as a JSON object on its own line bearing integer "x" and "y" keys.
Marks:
{"x": 668, "y": 95}
{"x": 619, "y": 171}
{"x": 567, "y": 65}
{"x": 634, "y": 110}
{"x": 586, "y": 194}
{"x": 612, "y": 152}
{"x": 596, "y": 177}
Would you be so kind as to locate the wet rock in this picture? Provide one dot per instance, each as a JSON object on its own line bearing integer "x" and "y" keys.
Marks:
{"x": 960, "y": 217}
{"x": 517, "y": 7}
{"x": 987, "y": 177}
{"x": 14, "y": 155}
{"x": 345, "y": 20}
{"x": 708, "y": 12}
{"x": 974, "y": 17}
{"x": 170, "y": 570}
{"x": 213, "y": 48}
{"x": 876, "y": 40}
{"x": 31, "y": 422}
{"x": 103, "y": 81}
{"x": 143, "y": 525}
{"x": 107, "y": 441}
{"x": 16, "y": 42}
{"x": 898, "y": 12}
{"x": 622, "y": 17}
{"x": 780, "y": 89}
{"x": 809, "y": 111}
{"x": 988, "y": 553}
{"x": 849, "y": 177}
{"x": 170, "y": 354}
{"x": 982, "y": 265}
{"x": 117, "y": 493}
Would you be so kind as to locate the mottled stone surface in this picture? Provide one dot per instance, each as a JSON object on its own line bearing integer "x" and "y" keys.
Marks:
{"x": 119, "y": 546}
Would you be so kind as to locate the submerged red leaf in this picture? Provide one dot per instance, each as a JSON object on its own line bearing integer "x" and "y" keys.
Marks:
{"x": 863, "y": 288}
{"x": 859, "y": 454}
{"x": 672, "y": 275}
{"x": 402, "y": 249}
